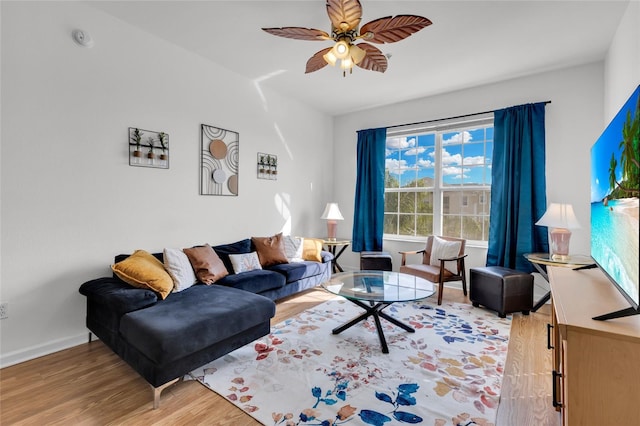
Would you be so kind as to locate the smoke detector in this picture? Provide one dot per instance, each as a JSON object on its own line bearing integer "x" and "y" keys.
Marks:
{"x": 82, "y": 38}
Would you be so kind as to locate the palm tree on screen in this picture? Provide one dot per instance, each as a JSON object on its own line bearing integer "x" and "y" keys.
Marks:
{"x": 613, "y": 164}
{"x": 629, "y": 146}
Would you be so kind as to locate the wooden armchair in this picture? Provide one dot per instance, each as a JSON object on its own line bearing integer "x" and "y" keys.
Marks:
{"x": 439, "y": 269}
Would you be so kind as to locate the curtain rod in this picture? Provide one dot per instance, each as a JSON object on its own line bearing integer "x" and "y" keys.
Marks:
{"x": 448, "y": 118}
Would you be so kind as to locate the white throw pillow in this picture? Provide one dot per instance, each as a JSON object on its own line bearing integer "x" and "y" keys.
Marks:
{"x": 179, "y": 268}
{"x": 293, "y": 248}
{"x": 245, "y": 262}
{"x": 443, "y": 249}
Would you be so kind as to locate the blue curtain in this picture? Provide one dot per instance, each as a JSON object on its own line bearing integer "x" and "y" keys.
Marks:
{"x": 368, "y": 216}
{"x": 518, "y": 188}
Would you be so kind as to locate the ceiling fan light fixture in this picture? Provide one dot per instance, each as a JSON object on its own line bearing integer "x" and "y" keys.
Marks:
{"x": 330, "y": 58}
{"x": 357, "y": 54}
{"x": 341, "y": 49}
{"x": 346, "y": 64}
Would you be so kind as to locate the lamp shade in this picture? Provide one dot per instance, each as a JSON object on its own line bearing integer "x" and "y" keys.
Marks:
{"x": 559, "y": 216}
{"x": 332, "y": 212}
{"x": 341, "y": 49}
{"x": 346, "y": 64}
{"x": 330, "y": 58}
{"x": 357, "y": 54}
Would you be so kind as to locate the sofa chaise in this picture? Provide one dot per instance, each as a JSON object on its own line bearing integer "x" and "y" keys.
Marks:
{"x": 164, "y": 336}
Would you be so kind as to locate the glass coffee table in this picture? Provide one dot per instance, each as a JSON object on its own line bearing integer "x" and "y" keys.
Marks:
{"x": 373, "y": 291}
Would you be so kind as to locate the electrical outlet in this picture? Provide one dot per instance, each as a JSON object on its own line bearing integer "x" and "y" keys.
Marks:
{"x": 4, "y": 310}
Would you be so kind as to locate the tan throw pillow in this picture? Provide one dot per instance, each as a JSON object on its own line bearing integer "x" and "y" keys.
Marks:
{"x": 142, "y": 270}
{"x": 270, "y": 250}
{"x": 311, "y": 249}
{"x": 443, "y": 249}
{"x": 206, "y": 263}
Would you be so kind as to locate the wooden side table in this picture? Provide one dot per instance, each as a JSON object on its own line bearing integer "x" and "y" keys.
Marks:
{"x": 541, "y": 260}
{"x": 332, "y": 247}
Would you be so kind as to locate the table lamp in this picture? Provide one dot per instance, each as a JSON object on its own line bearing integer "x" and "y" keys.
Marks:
{"x": 332, "y": 215}
{"x": 560, "y": 219}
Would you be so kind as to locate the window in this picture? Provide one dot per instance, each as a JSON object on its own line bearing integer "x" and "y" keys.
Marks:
{"x": 438, "y": 180}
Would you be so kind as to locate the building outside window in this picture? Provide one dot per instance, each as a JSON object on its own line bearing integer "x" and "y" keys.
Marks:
{"x": 438, "y": 180}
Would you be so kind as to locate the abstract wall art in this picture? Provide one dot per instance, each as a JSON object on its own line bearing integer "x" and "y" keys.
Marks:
{"x": 220, "y": 159}
{"x": 148, "y": 148}
{"x": 267, "y": 166}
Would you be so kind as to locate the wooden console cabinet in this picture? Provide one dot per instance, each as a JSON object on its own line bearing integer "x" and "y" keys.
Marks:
{"x": 596, "y": 364}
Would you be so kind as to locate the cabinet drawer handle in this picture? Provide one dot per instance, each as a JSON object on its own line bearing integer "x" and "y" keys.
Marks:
{"x": 555, "y": 375}
{"x": 549, "y": 327}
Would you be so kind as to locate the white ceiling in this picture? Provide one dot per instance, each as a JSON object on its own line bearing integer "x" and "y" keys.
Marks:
{"x": 470, "y": 43}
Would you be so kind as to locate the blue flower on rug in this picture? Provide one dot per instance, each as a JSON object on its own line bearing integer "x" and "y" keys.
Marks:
{"x": 339, "y": 391}
{"x": 309, "y": 416}
{"x": 452, "y": 327}
{"x": 330, "y": 397}
{"x": 404, "y": 397}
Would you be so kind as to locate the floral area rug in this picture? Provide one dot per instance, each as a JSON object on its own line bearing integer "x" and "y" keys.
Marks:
{"x": 449, "y": 372}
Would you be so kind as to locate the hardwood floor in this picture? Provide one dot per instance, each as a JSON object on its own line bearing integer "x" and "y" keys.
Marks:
{"x": 90, "y": 385}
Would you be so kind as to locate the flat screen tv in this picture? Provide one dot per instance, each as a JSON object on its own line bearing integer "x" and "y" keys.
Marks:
{"x": 615, "y": 187}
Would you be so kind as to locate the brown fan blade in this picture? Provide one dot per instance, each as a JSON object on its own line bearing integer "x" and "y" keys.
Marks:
{"x": 299, "y": 33}
{"x": 317, "y": 61}
{"x": 374, "y": 60}
{"x": 392, "y": 29}
{"x": 345, "y": 15}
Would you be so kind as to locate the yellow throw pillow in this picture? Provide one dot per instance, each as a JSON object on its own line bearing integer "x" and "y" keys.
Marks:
{"x": 311, "y": 249}
{"x": 142, "y": 270}
{"x": 270, "y": 250}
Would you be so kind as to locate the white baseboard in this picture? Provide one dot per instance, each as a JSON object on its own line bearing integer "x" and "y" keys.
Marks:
{"x": 37, "y": 351}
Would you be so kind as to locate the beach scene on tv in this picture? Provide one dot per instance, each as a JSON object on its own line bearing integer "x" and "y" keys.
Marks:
{"x": 615, "y": 187}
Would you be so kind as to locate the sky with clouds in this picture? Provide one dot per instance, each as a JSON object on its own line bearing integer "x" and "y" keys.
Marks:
{"x": 466, "y": 157}
{"x": 609, "y": 144}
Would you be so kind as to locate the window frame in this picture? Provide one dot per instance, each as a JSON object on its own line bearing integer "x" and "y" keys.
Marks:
{"x": 439, "y": 189}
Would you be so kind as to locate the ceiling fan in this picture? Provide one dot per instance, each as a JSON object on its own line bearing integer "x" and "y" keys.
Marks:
{"x": 345, "y": 16}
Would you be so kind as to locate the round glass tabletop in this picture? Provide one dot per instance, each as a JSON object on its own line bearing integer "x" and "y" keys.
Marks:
{"x": 379, "y": 286}
{"x": 547, "y": 259}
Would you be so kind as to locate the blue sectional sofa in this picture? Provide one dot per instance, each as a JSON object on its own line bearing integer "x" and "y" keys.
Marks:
{"x": 164, "y": 339}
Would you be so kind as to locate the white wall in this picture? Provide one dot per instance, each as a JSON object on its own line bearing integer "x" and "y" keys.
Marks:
{"x": 70, "y": 201}
{"x": 622, "y": 64}
{"x": 573, "y": 122}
